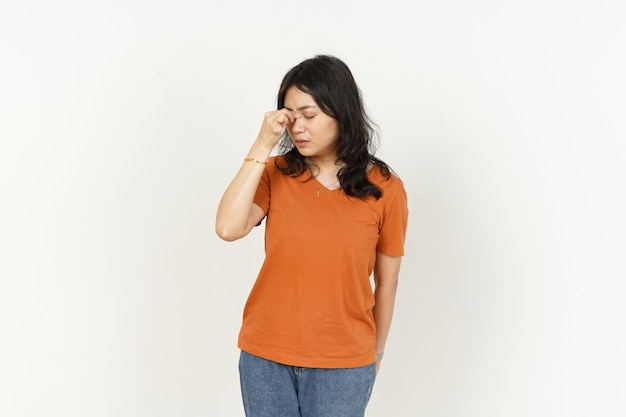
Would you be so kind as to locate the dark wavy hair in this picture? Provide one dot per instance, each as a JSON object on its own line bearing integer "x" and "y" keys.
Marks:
{"x": 330, "y": 82}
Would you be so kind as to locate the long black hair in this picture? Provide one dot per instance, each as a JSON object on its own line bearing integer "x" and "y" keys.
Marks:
{"x": 330, "y": 82}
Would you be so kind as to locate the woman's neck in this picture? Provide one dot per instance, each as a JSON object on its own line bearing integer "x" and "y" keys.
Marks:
{"x": 324, "y": 164}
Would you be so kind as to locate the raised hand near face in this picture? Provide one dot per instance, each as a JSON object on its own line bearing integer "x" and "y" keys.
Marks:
{"x": 273, "y": 124}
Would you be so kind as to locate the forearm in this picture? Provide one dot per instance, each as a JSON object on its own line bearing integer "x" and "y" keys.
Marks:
{"x": 385, "y": 297}
{"x": 386, "y": 272}
{"x": 234, "y": 217}
{"x": 236, "y": 213}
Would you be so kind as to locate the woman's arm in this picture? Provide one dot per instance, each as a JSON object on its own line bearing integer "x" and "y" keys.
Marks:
{"x": 236, "y": 213}
{"x": 386, "y": 273}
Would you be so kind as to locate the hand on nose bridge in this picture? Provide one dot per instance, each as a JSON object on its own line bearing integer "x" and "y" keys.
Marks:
{"x": 298, "y": 123}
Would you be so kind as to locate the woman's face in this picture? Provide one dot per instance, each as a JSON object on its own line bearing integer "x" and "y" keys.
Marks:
{"x": 314, "y": 133}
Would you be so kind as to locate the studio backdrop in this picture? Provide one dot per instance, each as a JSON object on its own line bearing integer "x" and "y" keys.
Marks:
{"x": 122, "y": 122}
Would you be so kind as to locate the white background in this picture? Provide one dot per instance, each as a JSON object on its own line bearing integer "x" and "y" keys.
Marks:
{"x": 121, "y": 123}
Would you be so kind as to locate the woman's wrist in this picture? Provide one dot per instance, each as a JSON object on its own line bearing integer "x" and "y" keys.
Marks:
{"x": 258, "y": 153}
{"x": 379, "y": 356}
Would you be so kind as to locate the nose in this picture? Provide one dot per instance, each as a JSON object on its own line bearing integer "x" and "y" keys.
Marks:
{"x": 298, "y": 125}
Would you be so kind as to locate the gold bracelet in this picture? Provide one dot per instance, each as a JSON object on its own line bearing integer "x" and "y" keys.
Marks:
{"x": 254, "y": 160}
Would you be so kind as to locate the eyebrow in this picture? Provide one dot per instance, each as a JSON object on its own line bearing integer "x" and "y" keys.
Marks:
{"x": 305, "y": 107}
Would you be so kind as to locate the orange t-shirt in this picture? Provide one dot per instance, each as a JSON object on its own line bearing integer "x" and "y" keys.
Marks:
{"x": 311, "y": 305}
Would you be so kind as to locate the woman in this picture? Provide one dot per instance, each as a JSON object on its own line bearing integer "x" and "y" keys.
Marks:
{"x": 313, "y": 331}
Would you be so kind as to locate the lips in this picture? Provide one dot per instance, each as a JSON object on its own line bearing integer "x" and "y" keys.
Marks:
{"x": 300, "y": 143}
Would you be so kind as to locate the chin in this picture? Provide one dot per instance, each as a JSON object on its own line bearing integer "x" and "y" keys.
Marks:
{"x": 305, "y": 152}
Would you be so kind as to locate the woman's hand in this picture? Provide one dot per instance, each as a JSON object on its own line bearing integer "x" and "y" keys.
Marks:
{"x": 273, "y": 125}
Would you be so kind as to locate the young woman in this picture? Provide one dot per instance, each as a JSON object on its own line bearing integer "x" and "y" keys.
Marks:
{"x": 313, "y": 331}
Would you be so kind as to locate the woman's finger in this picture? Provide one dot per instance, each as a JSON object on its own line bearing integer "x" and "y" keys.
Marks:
{"x": 286, "y": 116}
{"x": 283, "y": 118}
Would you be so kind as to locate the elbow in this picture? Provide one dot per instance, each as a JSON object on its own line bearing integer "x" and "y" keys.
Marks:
{"x": 390, "y": 285}
{"x": 387, "y": 283}
{"x": 226, "y": 237}
{"x": 227, "y": 234}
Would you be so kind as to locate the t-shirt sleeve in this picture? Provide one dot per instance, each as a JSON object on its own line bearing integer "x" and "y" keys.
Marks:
{"x": 262, "y": 196}
{"x": 394, "y": 223}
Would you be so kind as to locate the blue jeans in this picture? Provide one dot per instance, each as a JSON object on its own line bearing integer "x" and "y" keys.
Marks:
{"x": 271, "y": 389}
